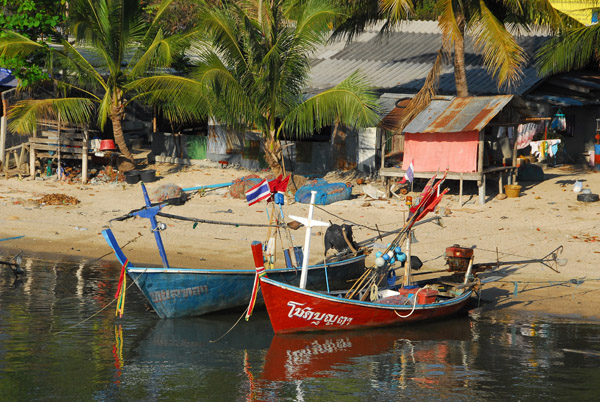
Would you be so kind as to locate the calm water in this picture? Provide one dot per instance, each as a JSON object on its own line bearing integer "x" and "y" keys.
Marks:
{"x": 58, "y": 342}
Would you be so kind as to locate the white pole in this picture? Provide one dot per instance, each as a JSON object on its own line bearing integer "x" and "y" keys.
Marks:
{"x": 2, "y": 138}
{"x": 309, "y": 223}
{"x": 307, "y": 241}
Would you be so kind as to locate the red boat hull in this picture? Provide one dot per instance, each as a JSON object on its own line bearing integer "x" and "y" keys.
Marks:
{"x": 292, "y": 309}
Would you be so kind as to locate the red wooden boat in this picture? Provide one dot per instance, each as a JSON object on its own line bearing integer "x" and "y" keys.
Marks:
{"x": 292, "y": 309}
{"x": 295, "y": 309}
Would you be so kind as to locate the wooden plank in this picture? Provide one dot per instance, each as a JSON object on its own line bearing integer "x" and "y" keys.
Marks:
{"x": 63, "y": 131}
{"x": 52, "y": 142}
{"x": 396, "y": 172}
{"x": 63, "y": 150}
{"x": 499, "y": 169}
{"x": 63, "y": 156}
{"x": 17, "y": 147}
{"x": 54, "y": 134}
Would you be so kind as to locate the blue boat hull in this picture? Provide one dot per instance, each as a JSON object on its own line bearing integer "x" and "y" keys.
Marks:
{"x": 174, "y": 292}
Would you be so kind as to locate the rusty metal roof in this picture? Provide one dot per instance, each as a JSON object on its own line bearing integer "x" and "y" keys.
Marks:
{"x": 456, "y": 115}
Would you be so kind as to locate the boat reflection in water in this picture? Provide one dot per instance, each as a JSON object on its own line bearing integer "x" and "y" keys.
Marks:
{"x": 422, "y": 355}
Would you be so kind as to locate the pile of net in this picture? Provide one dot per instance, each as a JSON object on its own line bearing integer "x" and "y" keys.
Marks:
{"x": 171, "y": 193}
{"x": 240, "y": 186}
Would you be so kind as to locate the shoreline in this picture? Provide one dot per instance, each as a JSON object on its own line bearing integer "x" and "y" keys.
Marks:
{"x": 545, "y": 216}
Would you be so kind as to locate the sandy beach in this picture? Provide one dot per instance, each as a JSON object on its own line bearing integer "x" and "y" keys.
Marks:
{"x": 545, "y": 216}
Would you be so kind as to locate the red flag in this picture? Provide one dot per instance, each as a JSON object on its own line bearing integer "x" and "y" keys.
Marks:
{"x": 429, "y": 193}
{"x": 278, "y": 185}
{"x": 283, "y": 184}
{"x": 430, "y": 207}
{"x": 274, "y": 183}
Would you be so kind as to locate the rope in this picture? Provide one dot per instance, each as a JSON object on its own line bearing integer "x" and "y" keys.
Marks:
{"x": 229, "y": 330}
{"x": 111, "y": 252}
{"x": 343, "y": 219}
{"x": 413, "y": 307}
{"x": 109, "y": 304}
{"x": 92, "y": 316}
{"x": 197, "y": 220}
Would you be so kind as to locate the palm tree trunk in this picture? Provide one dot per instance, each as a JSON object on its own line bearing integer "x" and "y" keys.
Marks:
{"x": 116, "y": 116}
{"x": 338, "y": 147}
{"x": 460, "y": 71}
{"x": 274, "y": 154}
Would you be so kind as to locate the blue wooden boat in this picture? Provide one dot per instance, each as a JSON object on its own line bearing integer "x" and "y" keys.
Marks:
{"x": 182, "y": 292}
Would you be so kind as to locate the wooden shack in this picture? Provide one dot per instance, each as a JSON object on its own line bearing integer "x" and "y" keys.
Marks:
{"x": 57, "y": 140}
{"x": 449, "y": 135}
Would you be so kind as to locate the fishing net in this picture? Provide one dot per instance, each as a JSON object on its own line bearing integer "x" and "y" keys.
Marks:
{"x": 170, "y": 193}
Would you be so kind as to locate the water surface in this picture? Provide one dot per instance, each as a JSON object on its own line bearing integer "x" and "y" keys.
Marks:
{"x": 61, "y": 341}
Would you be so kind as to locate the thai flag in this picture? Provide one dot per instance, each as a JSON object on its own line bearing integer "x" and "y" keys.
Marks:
{"x": 258, "y": 193}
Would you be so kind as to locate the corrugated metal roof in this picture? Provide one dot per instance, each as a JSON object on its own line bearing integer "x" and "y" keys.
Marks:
{"x": 575, "y": 88}
{"x": 471, "y": 113}
{"x": 400, "y": 61}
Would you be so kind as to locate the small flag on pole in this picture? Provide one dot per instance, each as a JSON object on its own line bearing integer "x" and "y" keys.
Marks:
{"x": 258, "y": 193}
{"x": 409, "y": 175}
{"x": 410, "y": 172}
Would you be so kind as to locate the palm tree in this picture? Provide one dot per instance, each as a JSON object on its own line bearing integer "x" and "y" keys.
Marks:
{"x": 575, "y": 48}
{"x": 490, "y": 22}
{"x": 120, "y": 49}
{"x": 252, "y": 69}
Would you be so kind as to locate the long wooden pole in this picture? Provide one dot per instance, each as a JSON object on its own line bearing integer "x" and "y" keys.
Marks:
{"x": 407, "y": 267}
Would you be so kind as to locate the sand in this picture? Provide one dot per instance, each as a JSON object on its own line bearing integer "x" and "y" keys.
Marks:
{"x": 545, "y": 216}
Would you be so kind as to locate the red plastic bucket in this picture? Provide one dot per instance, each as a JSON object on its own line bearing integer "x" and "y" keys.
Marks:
{"x": 107, "y": 145}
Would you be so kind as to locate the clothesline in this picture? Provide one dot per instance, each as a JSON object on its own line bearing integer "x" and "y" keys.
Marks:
{"x": 544, "y": 147}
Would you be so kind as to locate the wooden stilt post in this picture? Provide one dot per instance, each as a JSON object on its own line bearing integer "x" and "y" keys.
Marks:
{"x": 84, "y": 156}
{"x": 460, "y": 190}
{"x": 482, "y": 189}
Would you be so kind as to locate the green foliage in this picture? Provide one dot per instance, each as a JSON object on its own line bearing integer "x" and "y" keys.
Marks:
{"x": 181, "y": 16}
{"x": 33, "y": 18}
{"x": 425, "y": 10}
{"x": 36, "y": 20}
{"x": 575, "y": 48}
{"x": 256, "y": 64}
{"x": 119, "y": 49}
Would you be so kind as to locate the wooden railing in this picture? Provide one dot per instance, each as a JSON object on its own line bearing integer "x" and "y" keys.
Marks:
{"x": 57, "y": 140}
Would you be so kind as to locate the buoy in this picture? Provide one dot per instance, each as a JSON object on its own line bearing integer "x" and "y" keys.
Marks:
{"x": 398, "y": 249}
{"x": 401, "y": 257}
{"x": 385, "y": 257}
{"x": 378, "y": 254}
{"x": 379, "y": 262}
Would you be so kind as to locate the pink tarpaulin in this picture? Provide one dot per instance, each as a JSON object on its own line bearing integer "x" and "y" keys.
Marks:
{"x": 431, "y": 152}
